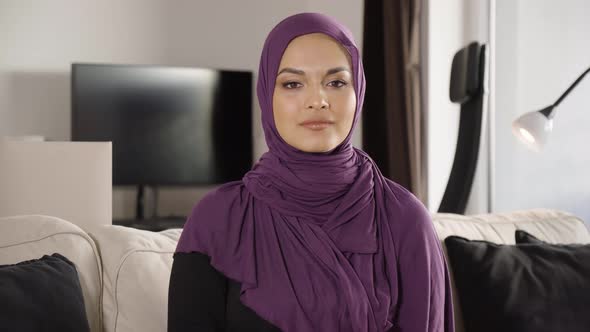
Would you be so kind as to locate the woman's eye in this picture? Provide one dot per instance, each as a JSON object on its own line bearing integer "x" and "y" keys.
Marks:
{"x": 294, "y": 85}
{"x": 289, "y": 85}
{"x": 339, "y": 81}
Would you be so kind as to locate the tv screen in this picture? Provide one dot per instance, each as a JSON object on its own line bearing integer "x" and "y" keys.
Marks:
{"x": 169, "y": 125}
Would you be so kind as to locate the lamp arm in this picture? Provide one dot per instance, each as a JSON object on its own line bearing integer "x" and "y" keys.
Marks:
{"x": 571, "y": 88}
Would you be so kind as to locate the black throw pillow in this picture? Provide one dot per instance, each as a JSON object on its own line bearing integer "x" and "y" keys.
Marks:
{"x": 525, "y": 287}
{"x": 42, "y": 295}
{"x": 521, "y": 237}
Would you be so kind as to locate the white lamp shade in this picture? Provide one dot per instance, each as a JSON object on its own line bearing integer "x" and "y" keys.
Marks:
{"x": 533, "y": 129}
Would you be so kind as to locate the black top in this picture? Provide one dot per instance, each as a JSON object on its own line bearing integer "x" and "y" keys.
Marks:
{"x": 200, "y": 298}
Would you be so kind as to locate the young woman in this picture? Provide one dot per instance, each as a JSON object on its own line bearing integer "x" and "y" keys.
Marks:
{"x": 313, "y": 238}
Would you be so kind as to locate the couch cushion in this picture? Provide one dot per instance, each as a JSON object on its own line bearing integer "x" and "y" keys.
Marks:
{"x": 525, "y": 287}
{"x": 30, "y": 291}
{"x": 137, "y": 265}
{"x": 29, "y": 237}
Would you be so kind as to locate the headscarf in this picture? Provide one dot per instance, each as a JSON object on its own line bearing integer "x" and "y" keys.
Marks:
{"x": 307, "y": 234}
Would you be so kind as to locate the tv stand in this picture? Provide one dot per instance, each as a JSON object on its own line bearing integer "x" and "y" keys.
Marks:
{"x": 139, "y": 203}
{"x": 152, "y": 222}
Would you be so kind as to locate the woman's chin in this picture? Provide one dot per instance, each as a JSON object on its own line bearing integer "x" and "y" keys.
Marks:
{"x": 317, "y": 148}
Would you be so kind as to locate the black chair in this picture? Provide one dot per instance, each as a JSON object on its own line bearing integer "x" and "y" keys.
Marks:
{"x": 467, "y": 89}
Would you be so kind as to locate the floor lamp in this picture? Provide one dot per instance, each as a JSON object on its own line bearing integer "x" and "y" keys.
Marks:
{"x": 533, "y": 128}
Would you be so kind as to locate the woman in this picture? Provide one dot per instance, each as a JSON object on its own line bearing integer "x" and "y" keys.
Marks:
{"x": 313, "y": 238}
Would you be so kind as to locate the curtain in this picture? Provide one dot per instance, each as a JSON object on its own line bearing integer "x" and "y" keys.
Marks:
{"x": 394, "y": 128}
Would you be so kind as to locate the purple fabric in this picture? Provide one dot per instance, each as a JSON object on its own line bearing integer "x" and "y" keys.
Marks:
{"x": 322, "y": 241}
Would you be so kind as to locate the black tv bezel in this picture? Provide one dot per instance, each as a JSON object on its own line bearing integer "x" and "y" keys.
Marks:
{"x": 74, "y": 113}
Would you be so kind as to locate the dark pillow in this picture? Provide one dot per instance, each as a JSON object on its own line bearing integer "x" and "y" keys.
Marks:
{"x": 523, "y": 287}
{"x": 42, "y": 295}
{"x": 521, "y": 236}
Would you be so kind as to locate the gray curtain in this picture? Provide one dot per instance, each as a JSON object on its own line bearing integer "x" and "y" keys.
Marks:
{"x": 394, "y": 128}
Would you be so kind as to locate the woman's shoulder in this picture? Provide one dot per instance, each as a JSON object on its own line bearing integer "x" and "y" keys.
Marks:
{"x": 225, "y": 192}
{"x": 210, "y": 216}
{"x": 409, "y": 216}
{"x": 403, "y": 197}
{"x": 218, "y": 201}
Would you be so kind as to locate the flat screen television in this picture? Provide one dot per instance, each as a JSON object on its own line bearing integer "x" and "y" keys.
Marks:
{"x": 170, "y": 126}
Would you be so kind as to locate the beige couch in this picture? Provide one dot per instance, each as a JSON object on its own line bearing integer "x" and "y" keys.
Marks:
{"x": 549, "y": 225}
{"x": 124, "y": 272}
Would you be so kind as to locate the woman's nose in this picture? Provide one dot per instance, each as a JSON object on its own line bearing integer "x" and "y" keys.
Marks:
{"x": 317, "y": 99}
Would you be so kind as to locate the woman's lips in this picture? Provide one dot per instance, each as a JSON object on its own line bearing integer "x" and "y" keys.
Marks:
{"x": 317, "y": 125}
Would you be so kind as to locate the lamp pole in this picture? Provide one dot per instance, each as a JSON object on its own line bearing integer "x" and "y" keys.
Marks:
{"x": 548, "y": 111}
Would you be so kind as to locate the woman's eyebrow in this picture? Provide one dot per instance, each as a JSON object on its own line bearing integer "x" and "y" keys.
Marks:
{"x": 301, "y": 72}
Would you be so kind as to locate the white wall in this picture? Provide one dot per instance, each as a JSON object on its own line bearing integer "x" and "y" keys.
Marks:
{"x": 40, "y": 39}
{"x": 451, "y": 25}
{"x": 542, "y": 47}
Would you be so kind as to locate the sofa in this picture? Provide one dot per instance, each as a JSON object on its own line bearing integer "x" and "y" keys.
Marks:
{"x": 124, "y": 272}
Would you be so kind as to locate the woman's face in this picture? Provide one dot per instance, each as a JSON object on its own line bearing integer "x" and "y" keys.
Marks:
{"x": 314, "y": 99}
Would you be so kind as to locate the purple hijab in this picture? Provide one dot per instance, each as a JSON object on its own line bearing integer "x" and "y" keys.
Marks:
{"x": 322, "y": 241}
